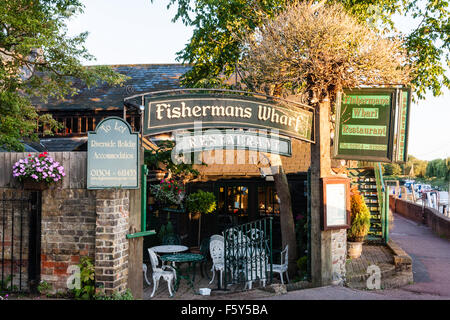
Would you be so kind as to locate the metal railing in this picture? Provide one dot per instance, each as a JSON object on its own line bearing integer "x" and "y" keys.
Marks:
{"x": 17, "y": 243}
{"x": 248, "y": 253}
{"x": 383, "y": 201}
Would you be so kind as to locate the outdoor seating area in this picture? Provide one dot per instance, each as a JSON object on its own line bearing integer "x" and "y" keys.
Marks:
{"x": 229, "y": 262}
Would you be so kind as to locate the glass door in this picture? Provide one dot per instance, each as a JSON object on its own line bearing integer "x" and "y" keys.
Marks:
{"x": 232, "y": 204}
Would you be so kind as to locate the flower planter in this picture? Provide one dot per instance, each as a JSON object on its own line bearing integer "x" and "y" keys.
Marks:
{"x": 156, "y": 175}
{"x": 33, "y": 185}
{"x": 354, "y": 249}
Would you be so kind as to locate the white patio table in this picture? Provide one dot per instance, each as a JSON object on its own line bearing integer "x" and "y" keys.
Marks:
{"x": 169, "y": 248}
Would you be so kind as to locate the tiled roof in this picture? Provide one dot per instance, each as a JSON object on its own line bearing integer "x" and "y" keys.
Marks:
{"x": 143, "y": 78}
{"x": 65, "y": 144}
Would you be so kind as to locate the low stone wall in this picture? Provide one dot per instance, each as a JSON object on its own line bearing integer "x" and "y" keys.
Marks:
{"x": 438, "y": 223}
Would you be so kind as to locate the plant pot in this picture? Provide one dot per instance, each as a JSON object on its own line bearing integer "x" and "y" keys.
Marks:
{"x": 354, "y": 249}
{"x": 33, "y": 185}
{"x": 156, "y": 175}
{"x": 194, "y": 216}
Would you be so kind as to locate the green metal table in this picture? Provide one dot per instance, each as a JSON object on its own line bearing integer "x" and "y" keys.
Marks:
{"x": 178, "y": 258}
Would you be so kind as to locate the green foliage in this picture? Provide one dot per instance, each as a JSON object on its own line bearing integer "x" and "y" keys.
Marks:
{"x": 127, "y": 295}
{"x": 165, "y": 230}
{"x": 360, "y": 218}
{"x": 301, "y": 234}
{"x": 302, "y": 265}
{"x": 392, "y": 169}
{"x": 44, "y": 287}
{"x": 40, "y": 60}
{"x": 161, "y": 159}
{"x": 87, "y": 280}
{"x": 6, "y": 285}
{"x": 215, "y": 47}
{"x": 201, "y": 202}
{"x": 437, "y": 168}
{"x": 168, "y": 192}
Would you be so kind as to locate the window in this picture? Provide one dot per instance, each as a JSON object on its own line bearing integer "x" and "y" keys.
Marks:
{"x": 268, "y": 201}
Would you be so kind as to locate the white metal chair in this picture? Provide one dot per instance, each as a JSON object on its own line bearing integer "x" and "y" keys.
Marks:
{"x": 168, "y": 273}
{"x": 283, "y": 266}
{"x": 258, "y": 268}
{"x": 216, "y": 237}
{"x": 216, "y": 249}
{"x": 256, "y": 234}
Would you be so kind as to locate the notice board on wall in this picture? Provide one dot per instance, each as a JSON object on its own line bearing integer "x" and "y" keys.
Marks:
{"x": 335, "y": 203}
{"x": 113, "y": 156}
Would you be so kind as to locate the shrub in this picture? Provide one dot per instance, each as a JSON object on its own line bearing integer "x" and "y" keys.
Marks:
{"x": 360, "y": 217}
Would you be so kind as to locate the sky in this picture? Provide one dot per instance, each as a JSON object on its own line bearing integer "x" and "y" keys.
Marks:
{"x": 141, "y": 32}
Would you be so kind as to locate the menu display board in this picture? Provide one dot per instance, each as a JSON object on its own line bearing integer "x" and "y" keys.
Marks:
{"x": 335, "y": 203}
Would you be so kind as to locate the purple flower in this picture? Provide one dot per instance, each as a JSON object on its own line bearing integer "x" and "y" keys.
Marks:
{"x": 34, "y": 176}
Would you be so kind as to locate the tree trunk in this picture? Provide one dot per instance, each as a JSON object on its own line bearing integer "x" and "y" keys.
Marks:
{"x": 286, "y": 219}
{"x": 321, "y": 263}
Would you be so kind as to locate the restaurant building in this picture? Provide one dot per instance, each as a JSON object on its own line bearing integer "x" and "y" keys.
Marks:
{"x": 243, "y": 194}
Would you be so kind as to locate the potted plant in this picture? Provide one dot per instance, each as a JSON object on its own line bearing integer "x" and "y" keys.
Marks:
{"x": 160, "y": 164}
{"x": 38, "y": 172}
{"x": 360, "y": 224}
{"x": 199, "y": 203}
{"x": 168, "y": 192}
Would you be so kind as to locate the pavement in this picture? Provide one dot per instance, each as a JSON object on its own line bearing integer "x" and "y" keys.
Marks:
{"x": 431, "y": 270}
{"x": 430, "y": 263}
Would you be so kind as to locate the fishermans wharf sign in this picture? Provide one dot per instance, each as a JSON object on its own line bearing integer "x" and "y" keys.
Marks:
{"x": 113, "y": 155}
{"x": 365, "y": 125}
{"x": 165, "y": 114}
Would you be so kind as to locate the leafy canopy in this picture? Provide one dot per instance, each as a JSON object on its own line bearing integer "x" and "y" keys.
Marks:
{"x": 320, "y": 50}
{"x": 40, "y": 60}
{"x": 216, "y": 47}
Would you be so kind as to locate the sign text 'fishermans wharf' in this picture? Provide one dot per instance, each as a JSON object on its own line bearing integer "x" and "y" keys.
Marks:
{"x": 172, "y": 113}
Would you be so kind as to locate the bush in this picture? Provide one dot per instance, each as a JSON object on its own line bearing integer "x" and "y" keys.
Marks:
{"x": 87, "y": 280}
{"x": 201, "y": 202}
{"x": 360, "y": 217}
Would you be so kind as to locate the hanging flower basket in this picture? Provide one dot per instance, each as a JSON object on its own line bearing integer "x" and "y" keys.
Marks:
{"x": 30, "y": 184}
{"x": 38, "y": 172}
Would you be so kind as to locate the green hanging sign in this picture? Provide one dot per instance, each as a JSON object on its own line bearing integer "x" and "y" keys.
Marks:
{"x": 403, "y": 115}
{"x": 169, "y": 113}
{"x": 365, "y": 124}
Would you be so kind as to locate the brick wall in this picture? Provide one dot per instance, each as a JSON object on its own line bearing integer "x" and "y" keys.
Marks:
{"x": 111, "y": 255}
{"x": 299, "y": 162}
{"x": 67, "y": 232}
{"x": 437, "y": 222}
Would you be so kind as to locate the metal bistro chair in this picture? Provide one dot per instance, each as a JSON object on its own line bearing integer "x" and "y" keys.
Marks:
{"x": 168, "y": 273}
{"x": 216, "y": 250}
{"x": 283, "y": 266}
{"x": 257, "y": 267}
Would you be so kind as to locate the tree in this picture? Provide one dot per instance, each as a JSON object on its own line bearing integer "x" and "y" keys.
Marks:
{"x": 216, "y": 47}
{"x": 316, "y": 51}
{"x": 220, "y": 27}
{"x": 392, "y": 169}
{"x": 39, "y": 59}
